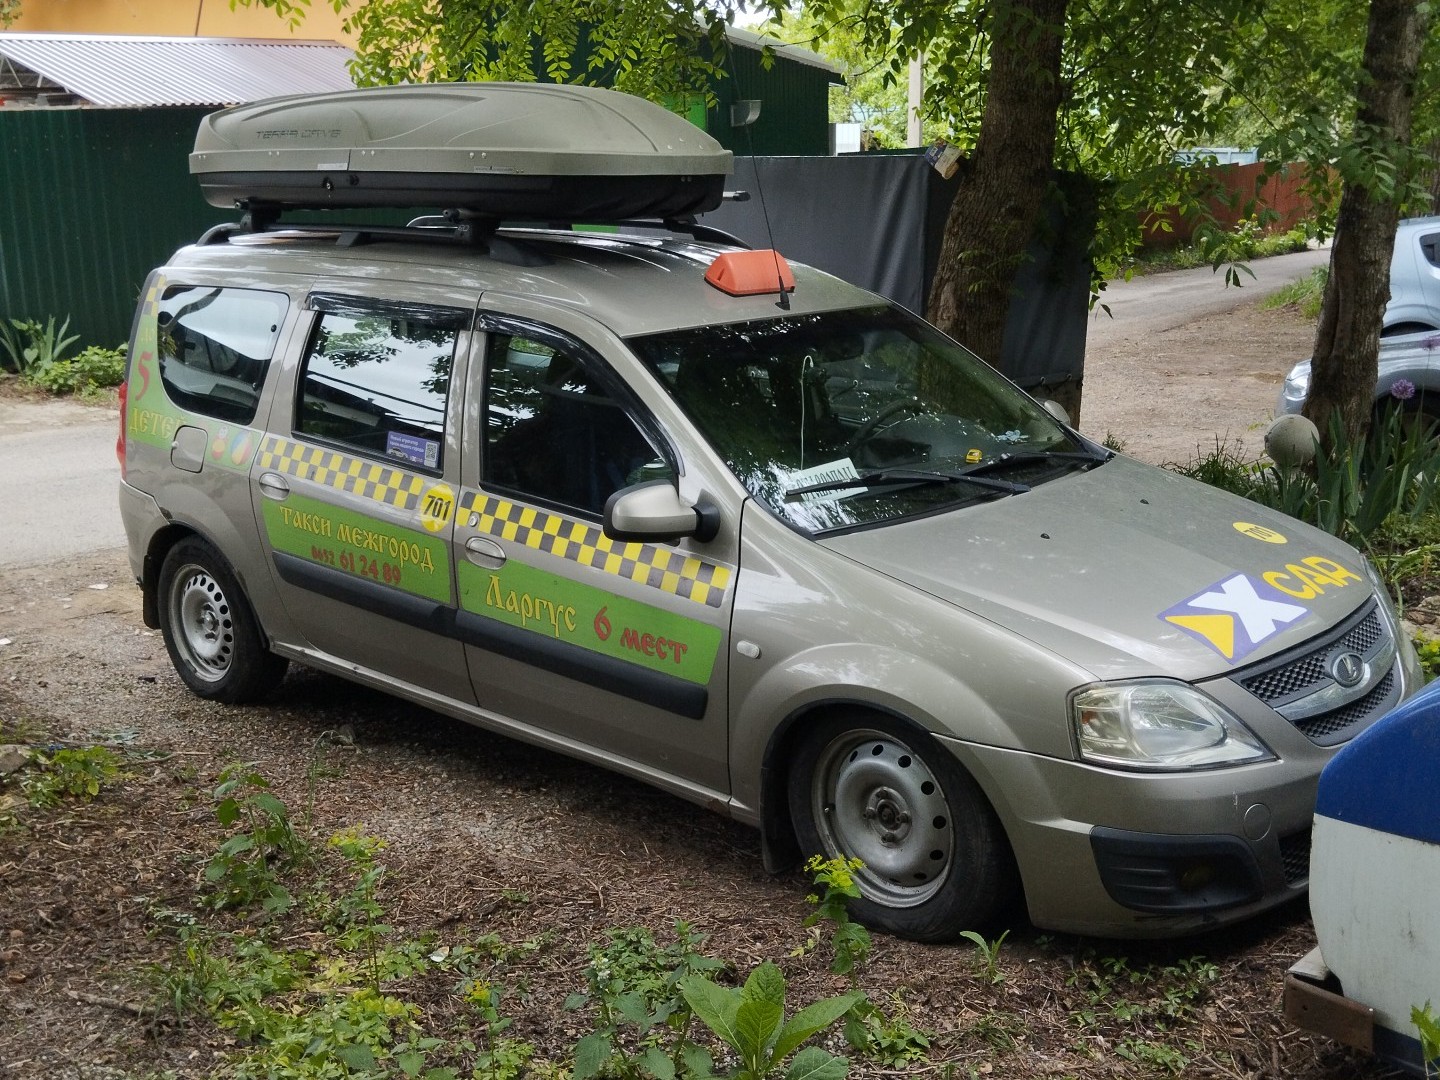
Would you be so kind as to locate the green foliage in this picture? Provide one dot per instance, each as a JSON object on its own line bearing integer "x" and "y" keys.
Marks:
{"x": 836, "y": 880}
{"x": 244, "y": 870}
{"x": 1428, "y": 1027}
{"x": 80, "y": 774}
{"x": 90, "y": 370}
{"x": 1427, "y": 649}
{"x": 989, "y": 952}
{"x": 870, "y": 94}
{"x": 750, "y": 1020}
{"x": 890, "y": 1040}
{"x": 1306, "y": 294}
{"x": 1244, "y": 242}
{"x": 1351, "y": 491}
{"x": 30, "y": 348}
{"x": 1110, "y": 991}
{"x": 643, "y": 1017}
{"x": 661, "y": 51}
{"x": 336, "y": 1008}
{"x": 1156, "y": 1054}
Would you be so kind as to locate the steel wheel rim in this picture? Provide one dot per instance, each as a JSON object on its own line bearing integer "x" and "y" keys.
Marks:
{"x": 876, "y": 800}
{"x": 203, "y": 624}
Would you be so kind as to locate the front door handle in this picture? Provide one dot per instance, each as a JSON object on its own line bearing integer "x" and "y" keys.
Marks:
{"x": 484, "y": 552}
{"x": 273, "y": 485}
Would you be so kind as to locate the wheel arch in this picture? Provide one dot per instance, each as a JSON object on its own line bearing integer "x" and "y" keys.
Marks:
{"x": 780, "y": 849}
{"x": 780, "y": 846}
{"x": 161, "y": 543}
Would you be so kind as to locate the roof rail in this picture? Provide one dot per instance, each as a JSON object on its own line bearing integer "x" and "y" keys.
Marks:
{"x": 452, "y": 227}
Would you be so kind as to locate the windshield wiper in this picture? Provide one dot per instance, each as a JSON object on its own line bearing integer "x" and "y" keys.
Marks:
{"x": 1025, "y": 456}
{"x": 896, "y": 477}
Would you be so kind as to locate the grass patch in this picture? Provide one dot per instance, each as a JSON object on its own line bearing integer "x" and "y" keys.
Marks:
{"x": 1246, "y": 242}
{"x": 1304, "y": 295}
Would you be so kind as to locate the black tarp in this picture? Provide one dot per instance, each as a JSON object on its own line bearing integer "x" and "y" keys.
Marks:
{"x": 877, "y": 220}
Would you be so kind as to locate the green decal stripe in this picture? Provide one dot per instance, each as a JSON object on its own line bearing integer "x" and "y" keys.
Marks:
{"x": 414, "y": 562}
{"x": 655, "y": 565}
{"x": 600, "y": 621}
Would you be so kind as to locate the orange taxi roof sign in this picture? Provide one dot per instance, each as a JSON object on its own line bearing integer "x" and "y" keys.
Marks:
{"x": 750, "y": 273}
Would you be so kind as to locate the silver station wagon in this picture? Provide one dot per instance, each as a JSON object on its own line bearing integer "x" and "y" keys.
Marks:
{"x": 728, "y": 525}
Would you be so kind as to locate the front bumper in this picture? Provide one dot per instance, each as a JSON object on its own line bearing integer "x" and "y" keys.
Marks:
{"x": 1123, "y": 854}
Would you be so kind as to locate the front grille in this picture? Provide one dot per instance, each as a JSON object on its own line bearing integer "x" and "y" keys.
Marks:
{"x": 1330, "y": 729}
{"x": 1287, "y": 682}
{"x": 1295, "y": 858}
{"x": 1307, "y": 672}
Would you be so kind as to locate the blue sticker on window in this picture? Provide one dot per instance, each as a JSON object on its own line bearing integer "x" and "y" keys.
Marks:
{"x": 412, "y": 448}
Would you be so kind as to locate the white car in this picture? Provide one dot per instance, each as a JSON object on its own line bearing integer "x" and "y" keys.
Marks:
{"x": 1410, "y": 334}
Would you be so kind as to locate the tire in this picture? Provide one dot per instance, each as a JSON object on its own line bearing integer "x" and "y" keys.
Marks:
{"x": 210, "y": 631}
{"x": 936, "y": 860}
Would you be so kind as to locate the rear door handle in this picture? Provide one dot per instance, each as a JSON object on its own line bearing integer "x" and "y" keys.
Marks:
{"x": 273, "y": 485}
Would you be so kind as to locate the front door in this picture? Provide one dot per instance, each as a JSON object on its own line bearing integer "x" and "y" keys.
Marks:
{"x": 616, "y": 646}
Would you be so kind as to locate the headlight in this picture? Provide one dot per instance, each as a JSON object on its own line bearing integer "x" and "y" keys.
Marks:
{"x": 1297, "y": 386}
{"x": 1160, "y": 724}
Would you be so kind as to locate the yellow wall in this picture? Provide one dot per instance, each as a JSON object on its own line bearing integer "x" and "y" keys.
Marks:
{"x": 174, "y": 18}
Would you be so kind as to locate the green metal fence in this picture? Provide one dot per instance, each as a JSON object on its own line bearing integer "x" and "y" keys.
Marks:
{"x": 90, "y": 200}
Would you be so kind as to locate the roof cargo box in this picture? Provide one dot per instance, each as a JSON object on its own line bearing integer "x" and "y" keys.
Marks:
{"x": 502, "y": 150}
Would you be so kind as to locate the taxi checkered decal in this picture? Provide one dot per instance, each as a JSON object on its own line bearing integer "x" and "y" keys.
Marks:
{"x": 660, "y": 568}
{"x": 367, "y": 479}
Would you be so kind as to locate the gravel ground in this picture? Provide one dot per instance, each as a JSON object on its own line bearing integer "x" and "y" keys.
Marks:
{"x": 487, "y": 836}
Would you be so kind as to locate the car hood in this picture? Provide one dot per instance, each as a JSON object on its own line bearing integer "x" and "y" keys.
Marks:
{"x": 1128, "y": 570}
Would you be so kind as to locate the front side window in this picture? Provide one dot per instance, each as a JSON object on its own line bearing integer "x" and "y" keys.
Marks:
{"x": 853, "y": 418}
{"x": 554, "y": 431}
{"x": 377, "y": 381}
{"x": 215, "y": 345}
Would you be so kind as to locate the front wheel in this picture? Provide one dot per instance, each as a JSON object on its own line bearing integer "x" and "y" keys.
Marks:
{"x": 211, "y": 634}
{"x": 935, "y": 856}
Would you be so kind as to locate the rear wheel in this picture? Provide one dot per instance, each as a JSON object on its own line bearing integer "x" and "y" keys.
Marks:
{"x": 935, "y": 857}
{"x": 211, "y": 633}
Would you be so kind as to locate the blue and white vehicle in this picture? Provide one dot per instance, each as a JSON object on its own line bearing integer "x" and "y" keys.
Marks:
{"x": 1375, "y": 888}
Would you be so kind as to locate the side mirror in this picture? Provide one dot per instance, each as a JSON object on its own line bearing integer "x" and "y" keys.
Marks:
{"x": 1055, "y": 409}
{"x": 655, "y": 511}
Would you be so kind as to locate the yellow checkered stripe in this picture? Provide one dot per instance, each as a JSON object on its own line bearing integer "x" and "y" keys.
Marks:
{"x": 658, "y": 567}
{"x": 367, "y": 479}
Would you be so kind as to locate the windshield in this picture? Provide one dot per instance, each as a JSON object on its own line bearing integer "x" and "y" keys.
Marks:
{"x": 799, "y": 405}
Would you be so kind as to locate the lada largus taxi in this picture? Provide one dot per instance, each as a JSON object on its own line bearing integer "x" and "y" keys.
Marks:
{"x": 720, "y": 522}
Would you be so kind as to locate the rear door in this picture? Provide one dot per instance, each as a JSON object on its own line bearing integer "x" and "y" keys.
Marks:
{"x": 617, "y": 646}
{"x": 355, "y": 484}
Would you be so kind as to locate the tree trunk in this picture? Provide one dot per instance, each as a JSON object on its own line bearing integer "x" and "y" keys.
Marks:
{"x": 1433, "y": 152}
{"x": 1345, "y": 361}
{"x": 1003, "y": 185}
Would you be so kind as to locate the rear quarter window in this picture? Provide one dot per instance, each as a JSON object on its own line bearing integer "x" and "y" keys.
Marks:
{"x": 215, "y": 347}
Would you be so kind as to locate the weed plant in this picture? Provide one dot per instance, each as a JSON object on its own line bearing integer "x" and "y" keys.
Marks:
{"x": 346, "y": 1002}
{"x": 30, "y": 348}
{"x": 84, "y": 375}
{"x": 1427, "y": 1024}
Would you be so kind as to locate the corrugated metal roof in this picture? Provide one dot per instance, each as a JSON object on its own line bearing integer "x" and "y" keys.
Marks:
{"x": 105, "y": 69}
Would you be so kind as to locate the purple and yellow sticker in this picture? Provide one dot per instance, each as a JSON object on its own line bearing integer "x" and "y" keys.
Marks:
{"x": 1235, "y": 616}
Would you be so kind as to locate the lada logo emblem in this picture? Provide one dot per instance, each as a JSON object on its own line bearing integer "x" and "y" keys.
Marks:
{"x": 1347, "y": 668}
